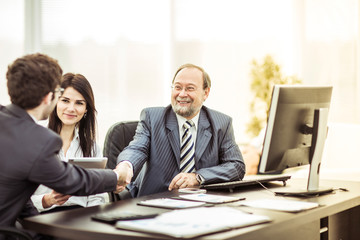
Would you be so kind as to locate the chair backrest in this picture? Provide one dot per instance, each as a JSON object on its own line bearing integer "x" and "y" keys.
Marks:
{"x": 117, "y": 138}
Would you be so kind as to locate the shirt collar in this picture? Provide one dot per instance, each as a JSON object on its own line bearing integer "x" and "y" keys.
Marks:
{"x": 34, "y": 118}
{"x": 181, "y": 120}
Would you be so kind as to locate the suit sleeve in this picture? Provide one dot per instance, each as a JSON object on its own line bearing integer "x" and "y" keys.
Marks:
{"x": 137, "y": 152}
{"x": 67, "y": 178}
{"x": 231, "y": 165}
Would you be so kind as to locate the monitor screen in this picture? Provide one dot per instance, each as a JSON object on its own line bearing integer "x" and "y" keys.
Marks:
{"x": 289, "y": 129}
{"x": 292, "y": 127}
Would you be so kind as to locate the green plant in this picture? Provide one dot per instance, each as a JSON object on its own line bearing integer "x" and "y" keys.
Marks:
{"x": 264, "y": 76}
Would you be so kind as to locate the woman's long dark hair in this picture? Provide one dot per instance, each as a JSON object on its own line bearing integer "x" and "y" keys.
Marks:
{"x": 87, "y": 125}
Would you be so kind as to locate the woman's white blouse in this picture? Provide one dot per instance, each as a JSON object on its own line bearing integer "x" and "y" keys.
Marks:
{"x": 86, "y": 201}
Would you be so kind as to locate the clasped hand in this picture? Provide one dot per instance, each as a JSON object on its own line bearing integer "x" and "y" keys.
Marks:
{"x": 182, "y": 180}
{"x": 125, "y": 175}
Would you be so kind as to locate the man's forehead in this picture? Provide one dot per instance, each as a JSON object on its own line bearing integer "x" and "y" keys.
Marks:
{"x": 189, "y": 74}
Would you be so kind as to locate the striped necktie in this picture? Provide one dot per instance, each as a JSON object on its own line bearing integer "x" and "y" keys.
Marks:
{"x": 187, "y": 151}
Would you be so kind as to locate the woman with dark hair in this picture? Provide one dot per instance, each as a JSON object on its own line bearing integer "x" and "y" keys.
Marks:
{"x": 74, "y": 119}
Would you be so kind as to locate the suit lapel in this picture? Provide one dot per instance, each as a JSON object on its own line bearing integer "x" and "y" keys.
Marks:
{"x": 173, "y": 134}
{"x": 203, "y": 135}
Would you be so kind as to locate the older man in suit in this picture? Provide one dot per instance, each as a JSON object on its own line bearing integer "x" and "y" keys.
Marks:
{"x": 28, "y": 151}
{"x": 184, "y": 144}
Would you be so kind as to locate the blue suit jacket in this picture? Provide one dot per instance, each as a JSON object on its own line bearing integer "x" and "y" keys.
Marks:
{"x": 157, "y": 143}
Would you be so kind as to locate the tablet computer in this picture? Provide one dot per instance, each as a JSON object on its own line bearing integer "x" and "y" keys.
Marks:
{"x": 89, "y": 162}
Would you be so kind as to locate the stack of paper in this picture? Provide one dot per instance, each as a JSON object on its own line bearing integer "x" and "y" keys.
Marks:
{"x": 194, "y": 222}
{"x": 170, "y": 203}
{"x": 210, "y": 198}
{"x": 281, "y": 204}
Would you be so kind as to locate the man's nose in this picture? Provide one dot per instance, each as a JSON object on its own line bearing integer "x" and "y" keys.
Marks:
{"x": 183, "y": 92}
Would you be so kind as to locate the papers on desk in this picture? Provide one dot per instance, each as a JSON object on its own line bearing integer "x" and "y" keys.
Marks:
{"x": 195, "y": 200}
{"x": 170, "y": 203}
{"x": 210, "y": 198}
{"x": 281, "y": 204}
{"x": 194, "y": 222}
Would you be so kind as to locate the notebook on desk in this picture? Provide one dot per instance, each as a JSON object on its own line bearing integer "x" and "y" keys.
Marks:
{"x": 247, "y": 180}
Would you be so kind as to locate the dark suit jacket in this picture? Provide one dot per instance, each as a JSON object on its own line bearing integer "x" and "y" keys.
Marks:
{"x": 157, "y": 143}
{"x": 28, "y": 158}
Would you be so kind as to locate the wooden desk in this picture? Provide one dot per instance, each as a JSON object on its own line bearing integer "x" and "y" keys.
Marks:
{"x": 337, "y": 218}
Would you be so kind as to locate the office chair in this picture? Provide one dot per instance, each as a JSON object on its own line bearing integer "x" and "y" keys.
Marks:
{"x": 117, "y": 138}
{"x": 14, "y": 233}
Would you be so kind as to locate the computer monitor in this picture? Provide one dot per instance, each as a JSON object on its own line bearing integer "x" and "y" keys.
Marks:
{"x": 296, "y": 132}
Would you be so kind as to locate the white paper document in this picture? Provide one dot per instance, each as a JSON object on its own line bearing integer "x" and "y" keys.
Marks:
{"x": 281, "y": 204}
{"x": 192, "y": 190}
{"x": 210, "y": 198}
{"x": 170, "y": 203}
{"x": 194, "y": 222}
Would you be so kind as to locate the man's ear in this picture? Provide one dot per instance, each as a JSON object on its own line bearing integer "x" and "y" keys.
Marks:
{"x": 48, "y": 98}
{"x": 207, "y": 92}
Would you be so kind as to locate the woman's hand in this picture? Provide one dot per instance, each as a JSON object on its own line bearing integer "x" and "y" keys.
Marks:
{"x": 54, "y": 198}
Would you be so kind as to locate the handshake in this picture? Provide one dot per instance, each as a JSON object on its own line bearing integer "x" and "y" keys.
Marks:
{"x": 125, "y": 173}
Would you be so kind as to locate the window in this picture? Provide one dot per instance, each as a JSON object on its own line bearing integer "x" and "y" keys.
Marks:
{"x": 129, "y": 50}
{"x": 11, "y": 40}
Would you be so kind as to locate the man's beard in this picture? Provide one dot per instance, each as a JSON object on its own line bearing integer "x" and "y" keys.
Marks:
{"x": 184, "y": 111}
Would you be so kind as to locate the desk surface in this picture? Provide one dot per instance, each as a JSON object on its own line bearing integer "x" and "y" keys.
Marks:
{"x": 77, "y": 224}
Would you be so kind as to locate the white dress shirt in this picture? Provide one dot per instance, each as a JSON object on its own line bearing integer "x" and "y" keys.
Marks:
{"x": 84, "y": 201}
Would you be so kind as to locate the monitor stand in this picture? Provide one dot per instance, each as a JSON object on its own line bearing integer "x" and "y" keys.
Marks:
{"x": 319, "y": 133}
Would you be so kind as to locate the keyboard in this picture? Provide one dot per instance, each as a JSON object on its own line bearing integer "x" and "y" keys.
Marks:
{"x": 248, "y": 180}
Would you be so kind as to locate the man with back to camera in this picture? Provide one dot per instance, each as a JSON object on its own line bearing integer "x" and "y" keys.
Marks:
{"x": 28, "y": 151}
{"x": 184, "y": 144}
